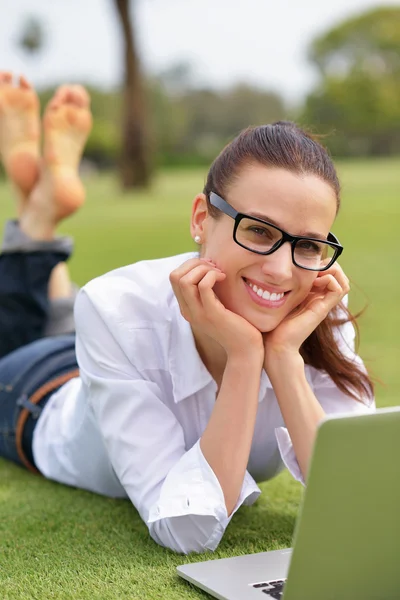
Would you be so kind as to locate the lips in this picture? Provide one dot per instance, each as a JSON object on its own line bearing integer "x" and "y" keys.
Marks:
{"x": 270, "y": 289}
{"x": 264, "y": 297}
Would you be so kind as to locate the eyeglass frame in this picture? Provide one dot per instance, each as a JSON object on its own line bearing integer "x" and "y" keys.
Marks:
{"x": 222, "y": 205}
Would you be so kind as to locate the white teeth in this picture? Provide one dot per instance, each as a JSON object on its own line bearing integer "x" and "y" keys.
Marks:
{"x": 273, "y": 297}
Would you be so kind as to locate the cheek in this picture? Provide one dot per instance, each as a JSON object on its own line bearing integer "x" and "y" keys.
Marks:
{"x": 305, "y": 285}
{"x": 228, "y": 256}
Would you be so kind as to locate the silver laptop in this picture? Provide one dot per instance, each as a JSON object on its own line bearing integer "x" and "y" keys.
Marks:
{"x": 347, "y": 536}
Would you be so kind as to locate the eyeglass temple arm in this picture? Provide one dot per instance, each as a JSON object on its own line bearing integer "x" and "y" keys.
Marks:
{"x": 220, "y": 203}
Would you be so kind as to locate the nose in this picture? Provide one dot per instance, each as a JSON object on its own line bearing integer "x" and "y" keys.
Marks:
{"x": 279, "y": 265}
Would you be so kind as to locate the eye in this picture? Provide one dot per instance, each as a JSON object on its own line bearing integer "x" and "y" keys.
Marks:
{"x": 261, "y": 231}
{"x": 309, "y": 247}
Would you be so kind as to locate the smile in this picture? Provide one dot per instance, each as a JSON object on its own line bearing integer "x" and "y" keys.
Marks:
{"x": 264, "y": 297}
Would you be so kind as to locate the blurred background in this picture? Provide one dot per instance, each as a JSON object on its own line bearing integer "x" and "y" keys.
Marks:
{"x": 172, "y": 81}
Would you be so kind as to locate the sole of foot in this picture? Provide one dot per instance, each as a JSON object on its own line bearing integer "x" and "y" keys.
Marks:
{"x": 19, "y": 132}
{"x": 67, "y": 122}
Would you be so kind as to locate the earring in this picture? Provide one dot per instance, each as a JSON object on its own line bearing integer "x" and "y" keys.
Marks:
{"x": 197, "y": 239}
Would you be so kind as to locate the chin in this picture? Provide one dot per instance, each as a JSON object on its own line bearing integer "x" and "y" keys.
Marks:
{"x": 264, "y": 324}
{"x": 266, "y": 327}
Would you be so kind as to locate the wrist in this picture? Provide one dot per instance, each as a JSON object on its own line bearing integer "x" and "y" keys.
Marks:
{"x": 279, "y": 362}
{"x": 248, "y": 358}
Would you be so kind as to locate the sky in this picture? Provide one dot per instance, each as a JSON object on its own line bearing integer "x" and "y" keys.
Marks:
{"x": 261, "y": 42}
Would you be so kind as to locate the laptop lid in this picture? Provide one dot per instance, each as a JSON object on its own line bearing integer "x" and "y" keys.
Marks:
{"x": 347, "y": 537}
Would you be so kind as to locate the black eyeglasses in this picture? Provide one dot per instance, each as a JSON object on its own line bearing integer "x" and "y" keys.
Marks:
{"x": 262, "y": 237}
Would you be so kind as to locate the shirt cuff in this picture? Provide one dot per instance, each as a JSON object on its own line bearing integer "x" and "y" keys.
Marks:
{"x": 192, "y": 488}
{"x": 288, "y": 454}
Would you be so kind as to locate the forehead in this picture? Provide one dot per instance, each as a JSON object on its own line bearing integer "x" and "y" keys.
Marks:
{"x": 296, "y": 202}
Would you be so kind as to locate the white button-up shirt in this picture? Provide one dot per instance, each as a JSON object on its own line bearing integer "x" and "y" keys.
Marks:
{"x": 130, "y": 425}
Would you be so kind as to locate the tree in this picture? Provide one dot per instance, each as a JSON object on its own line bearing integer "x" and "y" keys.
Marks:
{"x": 359, "y": 93}
{"x": 32, "y": 37}
{"x": 135, "y": 166}
{"x": 369, "y": 43}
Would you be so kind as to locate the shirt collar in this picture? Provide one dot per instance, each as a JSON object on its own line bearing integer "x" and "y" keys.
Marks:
{"x": 188, "y": 372}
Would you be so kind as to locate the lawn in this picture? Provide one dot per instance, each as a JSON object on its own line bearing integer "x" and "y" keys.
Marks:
{"x": 61, "y": 543}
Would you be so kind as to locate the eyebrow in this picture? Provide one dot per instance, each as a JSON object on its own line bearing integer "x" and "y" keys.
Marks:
{"x": 309, "y": 234}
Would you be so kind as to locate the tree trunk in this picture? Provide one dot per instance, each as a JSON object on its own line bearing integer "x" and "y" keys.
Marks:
{"x": 135, "y": 152}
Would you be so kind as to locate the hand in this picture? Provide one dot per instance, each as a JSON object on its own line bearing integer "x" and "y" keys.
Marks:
{"x": 193, "y": 284}
{"x": 328, "y": 290}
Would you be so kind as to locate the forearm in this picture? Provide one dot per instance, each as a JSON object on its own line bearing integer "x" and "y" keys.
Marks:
{"x": 226, "y": 441}
{"x": 300, "y": 408}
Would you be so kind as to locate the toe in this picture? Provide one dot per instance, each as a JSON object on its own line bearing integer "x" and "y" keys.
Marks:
{"x": 81, "y": 95}
{"x": 62, "y": 92}
{"x": 5, "y": 78}
{"x": 54, "y": 103}
{"x": 70, "y": 97}
{"x": 72, "y": 94}
{"x": 24, "y": 84}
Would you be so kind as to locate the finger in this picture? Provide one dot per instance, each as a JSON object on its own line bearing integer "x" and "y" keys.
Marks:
{"x": 209, "y": 300}
{"x": 337, "y": 271}
{"x": 185, "y": 268}
{"x": 329, "y": 293}
{"x": 186, "y": 289}
{"x": 332, "y": 289}
{"x": 177, "y": 274}
{"x": 190, "y": 284}
{"x": 175, "y": 277}
{"x": 328, "y": 282}
{"x": 343, "y": 280}
{"x": 194, "y": 276}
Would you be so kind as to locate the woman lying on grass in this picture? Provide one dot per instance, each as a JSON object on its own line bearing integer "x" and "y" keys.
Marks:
{"x": 199, "y": 374}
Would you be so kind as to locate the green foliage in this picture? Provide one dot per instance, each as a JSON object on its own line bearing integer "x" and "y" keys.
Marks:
{"x": 187, "y": 128}
{"x": 359, "y": 95}
{"x": 194, "y": 124}
{"x": 368, "y": 43}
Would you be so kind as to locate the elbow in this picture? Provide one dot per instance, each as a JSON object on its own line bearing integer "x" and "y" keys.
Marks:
{"x": 189, "y": 533}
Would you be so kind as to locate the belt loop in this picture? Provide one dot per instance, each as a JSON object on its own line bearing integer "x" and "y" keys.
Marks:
{"x": 34, "y": 409}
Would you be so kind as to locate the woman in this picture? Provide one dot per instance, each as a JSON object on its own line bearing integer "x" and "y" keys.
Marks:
{"x": 199, "y": 374}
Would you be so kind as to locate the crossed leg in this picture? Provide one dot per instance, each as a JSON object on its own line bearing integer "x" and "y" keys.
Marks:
{"x": 47, "y": 189}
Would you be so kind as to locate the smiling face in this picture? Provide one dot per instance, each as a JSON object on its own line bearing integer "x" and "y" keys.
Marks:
{"x": 299, "y": 204}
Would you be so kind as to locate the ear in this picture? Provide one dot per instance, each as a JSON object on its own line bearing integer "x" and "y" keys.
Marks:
{"x": 199, "y": 216}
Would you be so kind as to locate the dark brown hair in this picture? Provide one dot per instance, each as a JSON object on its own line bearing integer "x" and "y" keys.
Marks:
{"x": 284, "y": 145}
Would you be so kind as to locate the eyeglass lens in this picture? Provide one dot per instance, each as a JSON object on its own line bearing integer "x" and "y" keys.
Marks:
{"x": 260, "y": 237}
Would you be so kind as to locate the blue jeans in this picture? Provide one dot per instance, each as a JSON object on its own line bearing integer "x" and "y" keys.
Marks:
{"x": 32, "y": 367}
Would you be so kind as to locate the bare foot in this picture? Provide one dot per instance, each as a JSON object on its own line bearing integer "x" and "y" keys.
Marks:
{"x": 59, "y": 193}
{"x": 66, "y": 124}
{"x": 19, "y": 133}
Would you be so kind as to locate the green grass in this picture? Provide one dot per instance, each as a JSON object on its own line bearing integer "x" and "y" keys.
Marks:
{"x": 57, "y": 542}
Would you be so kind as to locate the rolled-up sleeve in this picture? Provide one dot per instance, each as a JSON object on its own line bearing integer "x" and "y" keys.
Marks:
{"x": 174, "y": 489}
{"x": 329, "y": 396}
{"x": 190, "y": 513}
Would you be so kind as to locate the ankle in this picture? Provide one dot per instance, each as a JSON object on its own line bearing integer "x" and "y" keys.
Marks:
{"x": 36, "y": 226}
